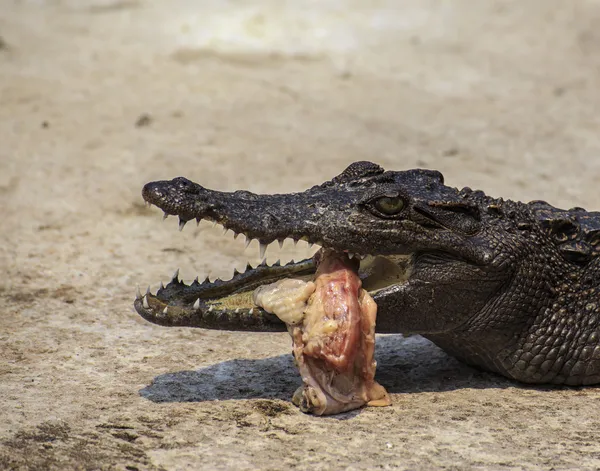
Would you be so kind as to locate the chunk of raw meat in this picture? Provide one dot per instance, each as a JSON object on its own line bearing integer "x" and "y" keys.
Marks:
{"x": 333, "y": 338}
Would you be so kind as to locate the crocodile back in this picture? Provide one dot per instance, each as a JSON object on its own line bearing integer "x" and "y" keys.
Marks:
{"x": 576, "y": 232}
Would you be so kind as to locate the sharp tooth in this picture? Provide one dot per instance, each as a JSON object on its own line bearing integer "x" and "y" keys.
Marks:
{"x": 280, "y": 241}
{"x": 251, "y": 311}
{"x": 166, "y": 310}
{"x": 147, "y": 290}
{"x": 235, "y": 235}
{"x": 350, "y": 255}
{"x": 277, "y": 263}
{"x": 262, "y": 250}
{"x": 165, "y": 216}
{"x": 263, "y": 263}
{"x": 225, "y": 230}
{"x": 145, "y": 303}
{"x": 175, "y": 276}
{"x": 138, "y": 293}
{"x": 237, "y": 311}
{"x": 206, "y": 280}
{"x": 210, "y": 308}
{"x": 249, "y": 267}
{"x": 195, "y": 280}
{"x": 248, "y": 240}
{"x": 182, "y": 224}
{"x": 196, "y": 305}
{"x": 214, "y": 223}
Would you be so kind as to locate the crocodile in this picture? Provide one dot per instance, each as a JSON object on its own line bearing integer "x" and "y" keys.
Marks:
{"x": 505, "y": 286}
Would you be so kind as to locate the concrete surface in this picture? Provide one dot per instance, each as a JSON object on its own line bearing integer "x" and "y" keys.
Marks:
{"x": 99, "y": 97}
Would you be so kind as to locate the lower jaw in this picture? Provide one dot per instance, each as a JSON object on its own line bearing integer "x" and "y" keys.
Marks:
{"x": 376, "y": 273}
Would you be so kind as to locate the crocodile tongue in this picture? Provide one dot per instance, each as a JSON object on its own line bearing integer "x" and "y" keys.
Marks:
{"x": 332, "y": 324}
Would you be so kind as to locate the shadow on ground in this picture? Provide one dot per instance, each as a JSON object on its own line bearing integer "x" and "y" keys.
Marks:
{"x": 405, "y": 365}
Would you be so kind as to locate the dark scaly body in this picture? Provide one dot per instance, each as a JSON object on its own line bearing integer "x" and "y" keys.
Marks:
{"x": 511, "y": 287}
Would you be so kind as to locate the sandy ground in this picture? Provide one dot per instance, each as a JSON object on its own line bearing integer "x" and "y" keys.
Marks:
{"x": 99, "y": 97}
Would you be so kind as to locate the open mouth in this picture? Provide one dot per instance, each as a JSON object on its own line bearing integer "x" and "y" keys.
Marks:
{"x": 229, "y": 305}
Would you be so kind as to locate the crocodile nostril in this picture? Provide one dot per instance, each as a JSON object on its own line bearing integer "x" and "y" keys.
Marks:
{"x": 182, "y": 182}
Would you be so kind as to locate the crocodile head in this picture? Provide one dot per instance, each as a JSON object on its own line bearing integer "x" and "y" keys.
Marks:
{"x": 422, "y": 247}
{"x": 508, "y": 286}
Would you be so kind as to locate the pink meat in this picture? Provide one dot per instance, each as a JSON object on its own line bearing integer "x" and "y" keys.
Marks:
{"x": 334, "y": 346}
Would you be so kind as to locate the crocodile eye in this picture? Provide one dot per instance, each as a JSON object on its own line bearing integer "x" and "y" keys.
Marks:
{"x": 389, "y": 205}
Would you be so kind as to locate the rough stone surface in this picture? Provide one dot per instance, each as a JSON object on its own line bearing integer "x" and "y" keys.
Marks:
{"x": 99, "y": 97}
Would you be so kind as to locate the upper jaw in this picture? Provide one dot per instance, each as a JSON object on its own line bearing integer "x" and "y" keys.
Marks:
{"x": 267, "y": 218}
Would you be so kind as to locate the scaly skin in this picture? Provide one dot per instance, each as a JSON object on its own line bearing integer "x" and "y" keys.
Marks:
{"x": 511, "y": 287}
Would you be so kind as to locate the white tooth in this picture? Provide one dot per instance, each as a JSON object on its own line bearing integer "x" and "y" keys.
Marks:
{"x": 138, "y": 293}
{"x": 280, "y": 241}
{"x": 197, "y": 304}
{"x": 166, "y": 310}
{"x": 350, "y": 255}
{"x": 175, "y": 276}
{"x": 248, "y": 240}
{"x": 251, "y": 311}
{"x": 147, "y": 290}
{"x": 181, "y": 224}
{"x": 262, "y": 250}
{"x": 237, "y": 311}
{"x": 165, "y": 216}
{"x": 214, "y": 223}
{"x": 145, "y": 303}
{"x": 210, "y": 308}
